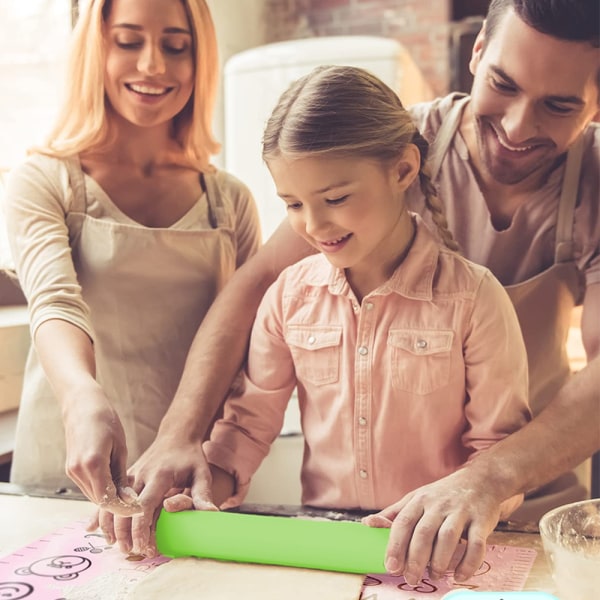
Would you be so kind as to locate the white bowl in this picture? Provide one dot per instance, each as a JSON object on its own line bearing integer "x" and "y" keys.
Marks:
{"x": 571, "y": 538}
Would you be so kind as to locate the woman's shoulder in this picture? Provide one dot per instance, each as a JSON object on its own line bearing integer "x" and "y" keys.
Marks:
{"x": 40, "y": 170}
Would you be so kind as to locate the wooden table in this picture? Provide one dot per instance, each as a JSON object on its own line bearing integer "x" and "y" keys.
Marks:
{"x": 24, "y": 519}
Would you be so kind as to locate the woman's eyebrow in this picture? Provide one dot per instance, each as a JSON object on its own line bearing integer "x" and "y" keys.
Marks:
{"x": 133, "y": 27}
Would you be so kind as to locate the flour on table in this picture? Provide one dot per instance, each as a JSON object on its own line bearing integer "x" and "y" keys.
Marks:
{"x": 191, "y": 578}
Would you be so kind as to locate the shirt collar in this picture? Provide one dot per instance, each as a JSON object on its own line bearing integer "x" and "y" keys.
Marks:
{"x": 413, "y": 278}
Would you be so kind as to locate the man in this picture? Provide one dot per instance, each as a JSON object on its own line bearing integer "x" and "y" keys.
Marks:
{"x": 517, "y": 166}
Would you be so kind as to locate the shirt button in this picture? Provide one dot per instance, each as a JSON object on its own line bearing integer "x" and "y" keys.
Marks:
{"x": 422, "y": 344}
{"x": 362, "y": 421}
{"x": 369, "y": 305}
{"x": 363, "y": 351}
{"x": 363, "y": 474}
{"x": 312, "y": 339}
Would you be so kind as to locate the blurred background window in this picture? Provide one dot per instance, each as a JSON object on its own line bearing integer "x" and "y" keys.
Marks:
{"x": 33, "y": 41}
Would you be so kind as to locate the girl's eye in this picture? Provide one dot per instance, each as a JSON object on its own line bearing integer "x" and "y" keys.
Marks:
{"x": 336, "y": 201}
{"x": 293, "y": 205}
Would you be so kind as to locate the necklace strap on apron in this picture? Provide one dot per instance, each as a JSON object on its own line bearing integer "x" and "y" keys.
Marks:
{"x": 77, "y": 184}
{"x": 441, "y": 143}
{"x": 218, "y": 215}
{"x": 566, "y": 208}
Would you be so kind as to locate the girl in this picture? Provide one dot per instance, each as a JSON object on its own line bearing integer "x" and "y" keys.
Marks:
{"x": 123, "y": 234}
{"x": 408, "y": 359}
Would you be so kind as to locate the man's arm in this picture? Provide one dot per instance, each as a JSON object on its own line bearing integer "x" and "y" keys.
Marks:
{"x": 427, "y": 523}
{"x": 220, "y": 345}
{"x": 175, "y": 460}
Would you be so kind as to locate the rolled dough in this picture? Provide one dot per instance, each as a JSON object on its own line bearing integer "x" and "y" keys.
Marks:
{"x": 191, "y": 578}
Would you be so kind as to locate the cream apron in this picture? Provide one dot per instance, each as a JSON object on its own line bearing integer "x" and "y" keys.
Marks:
{"x": 544, "y": 305}
{"x": 148, "y": 289}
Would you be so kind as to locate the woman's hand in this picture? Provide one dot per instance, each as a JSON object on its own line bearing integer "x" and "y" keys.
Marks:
{"x": 428, "y": 524}
{"x": 97, "y": 453}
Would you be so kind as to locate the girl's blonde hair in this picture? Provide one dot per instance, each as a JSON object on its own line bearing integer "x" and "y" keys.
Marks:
{"x": 347, "y": 111}
{"x": 82, "y": 122}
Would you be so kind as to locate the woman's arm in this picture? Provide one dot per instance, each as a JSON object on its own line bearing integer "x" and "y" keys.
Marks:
{"x": 95, "y": 440}
{"x": 36, "y": 205}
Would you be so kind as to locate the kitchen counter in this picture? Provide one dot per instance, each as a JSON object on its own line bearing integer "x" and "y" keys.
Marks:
{"x": 24, "y": 519}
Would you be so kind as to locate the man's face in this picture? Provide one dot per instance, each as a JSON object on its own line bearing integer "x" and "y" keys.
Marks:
{"x": 532, "y": 97}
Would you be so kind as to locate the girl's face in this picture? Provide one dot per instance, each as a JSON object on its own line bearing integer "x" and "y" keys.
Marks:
{"x": 347, "y": 208}
{"x": 149, "y": 71}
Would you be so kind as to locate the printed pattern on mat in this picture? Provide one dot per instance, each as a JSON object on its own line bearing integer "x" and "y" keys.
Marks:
{"x": 74, "y": 564}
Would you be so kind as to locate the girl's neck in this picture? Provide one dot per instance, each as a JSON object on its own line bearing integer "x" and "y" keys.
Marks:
{"x": 365, "y": 278}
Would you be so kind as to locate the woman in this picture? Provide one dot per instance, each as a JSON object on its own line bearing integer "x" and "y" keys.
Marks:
{"x": 122, "y": 235}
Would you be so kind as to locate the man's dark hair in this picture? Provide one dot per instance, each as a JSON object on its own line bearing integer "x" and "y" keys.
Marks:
{"x": 571, "y": 20}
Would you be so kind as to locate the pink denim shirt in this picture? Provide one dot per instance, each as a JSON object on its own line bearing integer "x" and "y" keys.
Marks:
{"x": 394, "y": 392}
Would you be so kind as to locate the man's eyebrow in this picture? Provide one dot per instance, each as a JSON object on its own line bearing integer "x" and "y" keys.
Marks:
{"x": 553, "y": 97}
{"x": 133, "y": 27}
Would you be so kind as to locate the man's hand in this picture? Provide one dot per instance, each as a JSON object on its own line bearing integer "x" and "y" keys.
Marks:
{"x": 428, "y": 524}
{"x": 167, "y": 468}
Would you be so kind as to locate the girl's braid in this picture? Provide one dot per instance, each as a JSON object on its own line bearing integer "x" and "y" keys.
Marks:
{"x": 432, "y": 200}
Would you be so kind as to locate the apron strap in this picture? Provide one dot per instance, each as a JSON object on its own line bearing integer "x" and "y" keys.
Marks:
{"x": 217, "y": 213}
{"x": 445, "y": 134}
{"x": 77, "y": 181}
{"x": 563, "y": 251}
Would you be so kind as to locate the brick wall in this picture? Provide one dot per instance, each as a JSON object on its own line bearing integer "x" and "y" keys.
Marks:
{"x": 422, "y": 26}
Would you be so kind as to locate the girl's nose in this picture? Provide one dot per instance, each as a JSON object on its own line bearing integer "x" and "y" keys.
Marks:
{"x": 314, "y": 222}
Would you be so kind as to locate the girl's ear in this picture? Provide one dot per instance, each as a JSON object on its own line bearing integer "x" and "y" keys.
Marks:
{"x": 406, "y": 168}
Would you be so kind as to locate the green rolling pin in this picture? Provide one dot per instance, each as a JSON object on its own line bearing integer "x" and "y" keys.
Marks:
{"x": 346, "y": 547}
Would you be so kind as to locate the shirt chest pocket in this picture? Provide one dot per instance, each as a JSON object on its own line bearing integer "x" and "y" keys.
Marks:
{"x": 316, "y": 350}
{"x": 421, "y": 359}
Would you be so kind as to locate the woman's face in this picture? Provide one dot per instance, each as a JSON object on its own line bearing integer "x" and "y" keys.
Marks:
{"x": 149, "y": 70}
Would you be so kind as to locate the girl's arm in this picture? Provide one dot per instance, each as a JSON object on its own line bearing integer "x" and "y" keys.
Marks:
{"x": 427, "y": 524}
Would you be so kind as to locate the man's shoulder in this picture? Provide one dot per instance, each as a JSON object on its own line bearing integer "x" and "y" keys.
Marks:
{"x": 428, "y": 116}
{"x": 590, "y": 163}
{"x": 591, "y": 139}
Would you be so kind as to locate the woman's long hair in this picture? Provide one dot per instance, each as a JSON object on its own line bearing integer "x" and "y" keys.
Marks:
{"x": 82, "y": 122}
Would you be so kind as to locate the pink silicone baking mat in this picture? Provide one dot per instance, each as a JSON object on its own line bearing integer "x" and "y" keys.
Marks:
{"x": 74, "y": 564}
